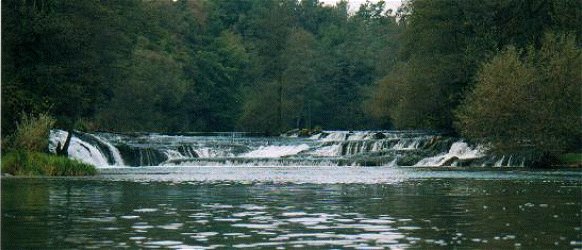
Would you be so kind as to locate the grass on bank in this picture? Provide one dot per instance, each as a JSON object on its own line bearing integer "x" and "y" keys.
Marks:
{"x": 26, "y": 163}
{"x": 571, "y": 159}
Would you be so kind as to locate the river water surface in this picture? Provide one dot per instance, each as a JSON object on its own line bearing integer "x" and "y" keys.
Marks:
{"x": 295, "y": 207}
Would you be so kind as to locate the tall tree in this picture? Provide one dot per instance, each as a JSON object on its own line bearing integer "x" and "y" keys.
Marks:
{"x": 60, "y": 56}
{"x": 299, "y": 79}
{"x": 269, "y": 27}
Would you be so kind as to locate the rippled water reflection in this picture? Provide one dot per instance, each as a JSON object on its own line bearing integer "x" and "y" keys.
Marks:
{"x": 130, "y": 212}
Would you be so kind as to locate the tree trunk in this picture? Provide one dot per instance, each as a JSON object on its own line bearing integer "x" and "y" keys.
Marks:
{"x": 280, "y": 106}
{"x": 64, "y": 150}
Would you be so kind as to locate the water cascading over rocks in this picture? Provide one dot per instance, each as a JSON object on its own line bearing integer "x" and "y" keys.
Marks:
{"x": 327, "y": 148}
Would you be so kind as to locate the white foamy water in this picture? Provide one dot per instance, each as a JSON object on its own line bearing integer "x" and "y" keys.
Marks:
{"x": 276, "y": 151}
{"x": 459, "y": 150}
{"x": 173, "y": 154}
{"x": 328, "y": 148}
{"x": 207, "y": 152}
{"x": 118, "y": 161}
{"x": 407, "y": 144}
{"x": 332, "y": 150}
{"x": 335, "y": 136}
{"x": 84, "y": 151}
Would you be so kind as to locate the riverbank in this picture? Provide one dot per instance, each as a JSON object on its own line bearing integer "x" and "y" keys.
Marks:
{"x": 571, "y": 160}
{"x": 34, "y": 163}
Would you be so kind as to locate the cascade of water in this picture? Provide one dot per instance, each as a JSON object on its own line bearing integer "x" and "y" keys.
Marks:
{"x": 336, "y": 136}
{"x": 276, "y": 151}
{"x": 458, "y": 151}
{"x": 378, "y": 145}
{"x": 78, "y": 149}
{"x": 205, "y": 153}
{"x": 186, "y": 151}
{"x": 118, "y": 161}
{"x": 393, "y": 163}
{"x": 331, "y": 150}
{"x": 145, "y": 157}
{"x": 358, "y": 148}
{"x": 87, "y": 153}
{"x": 499, "y": 163}
{"x": 357, "y": 136}
{"x": 173, "y": 154}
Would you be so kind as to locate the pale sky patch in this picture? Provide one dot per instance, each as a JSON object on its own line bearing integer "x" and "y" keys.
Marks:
{"x": 354, "y": 5}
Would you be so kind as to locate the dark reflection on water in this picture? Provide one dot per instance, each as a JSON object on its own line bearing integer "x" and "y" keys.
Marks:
{"x": 418, "y": 213}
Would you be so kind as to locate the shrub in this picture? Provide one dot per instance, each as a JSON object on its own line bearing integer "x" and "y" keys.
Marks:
{"x": 31, "y": 133}
{"x": 21, "y": 162}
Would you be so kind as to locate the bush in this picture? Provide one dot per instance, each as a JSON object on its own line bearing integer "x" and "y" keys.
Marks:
{"x": 528, "y": 102}
{"x": 34, "y": 163}
{"x": 31, "y": 133}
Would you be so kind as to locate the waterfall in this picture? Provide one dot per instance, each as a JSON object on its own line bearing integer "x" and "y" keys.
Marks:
{"x": 408, "y": 144}
{"x": 117, "y": 160}
{"x": 337, "y": 148}
{"x": 500, "y": 162}
{"x": 336, "y": 136}
{"x": 94, "y": 151}
{"x": 331, "y": 150}
{"x": 276, "y": 151}
{"x": 458, "y": 151}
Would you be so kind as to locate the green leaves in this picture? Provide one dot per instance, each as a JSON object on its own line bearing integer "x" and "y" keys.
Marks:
{"x": 528, "y": 101}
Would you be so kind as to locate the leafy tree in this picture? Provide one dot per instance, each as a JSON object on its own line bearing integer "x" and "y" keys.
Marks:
{"x": 385, "y": 99}
{"x": 60, "y": 56}
{"x": 258, "y": 111}
{"x": 444, "y": 43}
{"x": 528, "y": 102}
{"x": 299, "y": 79}
{"x": 268, "y": 30}
{"x": 193, "y": 65}
{"x": 150, "y": 98}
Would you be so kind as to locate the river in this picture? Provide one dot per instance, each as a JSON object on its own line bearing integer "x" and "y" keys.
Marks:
{"x": 295, "y": 207}
{"x": 241, "y": 191}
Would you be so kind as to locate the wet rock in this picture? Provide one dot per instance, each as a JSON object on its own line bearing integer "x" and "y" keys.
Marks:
{"x": 378, "y": 136}
{"x": 292, "y": 132}
{"x": 450, "y": 161}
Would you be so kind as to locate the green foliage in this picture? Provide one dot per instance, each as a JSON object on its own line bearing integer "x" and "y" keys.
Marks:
{"x": 61, "y": 56}
{"x": 193, "y": 65}
{"x": 259, "y": 112}
{"x": 299, "y": 79}
{"x": 445, "y": 42}
{"x": 269, "y": 66}
{"x": 571, "y": 159}
{"x": 149, "y": 98}
{"x": 385, "y": 99}
{"x": 317, "y": 68}
{"x": 528, "y": 102}
{"x": 31, "y": 133}
{"x": 34, "y": 163}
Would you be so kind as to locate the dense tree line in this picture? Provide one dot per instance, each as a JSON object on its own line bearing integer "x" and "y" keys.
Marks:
{"x": 193, "y": 65}
{"x": 506, "y": 73}
{"x": 256, "y": 65}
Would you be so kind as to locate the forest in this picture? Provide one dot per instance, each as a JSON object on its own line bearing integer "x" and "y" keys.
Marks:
{"x": 506, "y": 71}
